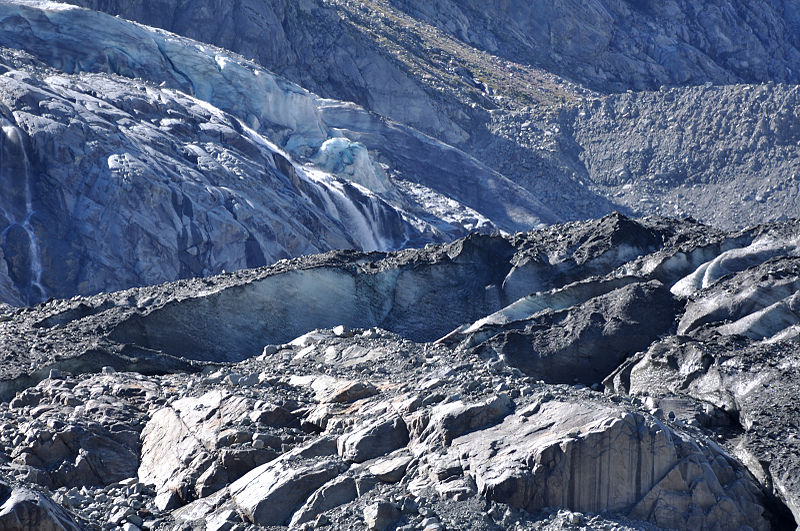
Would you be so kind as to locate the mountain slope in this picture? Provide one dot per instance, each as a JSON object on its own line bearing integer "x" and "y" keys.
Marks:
{"x": 498, "y": 79}
{"x": 174, "y": 159}
{"x": 533, "y": 140}
{"x": 613, "y": 46}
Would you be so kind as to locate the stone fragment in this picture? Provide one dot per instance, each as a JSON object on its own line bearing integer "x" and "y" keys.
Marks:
{"x": 392, "y": 468}
{"x": 373, "y": 438}
{"x": 25, "y": 509}
{"x": 349, "y": 392}
{"x": 379, "y": 516}
{"x": 452, "y": 419}
{"x": 270, "y": 494}
{"x": 336, "y": 492}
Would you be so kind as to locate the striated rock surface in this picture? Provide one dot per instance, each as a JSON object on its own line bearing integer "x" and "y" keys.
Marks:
{"x": 591, "y": 458}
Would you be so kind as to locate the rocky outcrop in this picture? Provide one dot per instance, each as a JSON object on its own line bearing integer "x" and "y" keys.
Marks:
{"x": 364, "y": 426}
{"x": 611, "y": 373}
{"x": 26, "y": 509}
{"x": 270, "y": 494}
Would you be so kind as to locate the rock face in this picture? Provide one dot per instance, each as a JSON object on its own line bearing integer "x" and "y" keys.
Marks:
{"x": 370, "y": 423}
{"x": 186, "y": 449}
{"x": 591, "y": 459}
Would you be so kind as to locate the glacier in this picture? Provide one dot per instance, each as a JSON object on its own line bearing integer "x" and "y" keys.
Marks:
{"x": 152, "y": 157}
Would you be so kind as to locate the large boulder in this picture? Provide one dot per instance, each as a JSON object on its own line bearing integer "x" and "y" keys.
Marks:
{"x": 373, "y": 438}
{"x": 592, "y": 457}
{"x": 447, "y": 421}
{"x": 185, "y": 451}
{"x": 24, "y": 509}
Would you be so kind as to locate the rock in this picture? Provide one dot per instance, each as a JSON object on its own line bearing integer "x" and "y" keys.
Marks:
{"x": 243, "y": 380}
{"x": 447, "y": 431}
{"x": 214, "y": 478}
{"x": 269, "y": 350}
{"x": 587, "y": 341}
{"x": 167, "y": 443}
{"x": 26, "y": 509}
{"x": 178, "y": 444}
{"x": 592, "y": 458}
{"x": 392, "y": 468}
{"x": 450, "y": 420}
{"x": 120, "y": 515}
{"x": 167, "y": 500}
{"x": 373, "y": 438}
{"x": 350, "y": 392}
{"x": 379, "y": 516}
{"x": 336, "y": 492}
{"x": 273, "y": 415}
{"x": 721, "y": 378}
{"x": 270, "y": 494}
{"x": 223, "y": 520}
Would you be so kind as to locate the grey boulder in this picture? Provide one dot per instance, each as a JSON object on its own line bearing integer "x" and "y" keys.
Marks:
{"x": 589, "y": 457}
